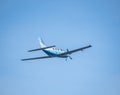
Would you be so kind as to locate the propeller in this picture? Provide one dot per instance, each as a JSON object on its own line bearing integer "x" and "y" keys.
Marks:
{"x": 68, "y": 56}
{"x": 67, "y": 50}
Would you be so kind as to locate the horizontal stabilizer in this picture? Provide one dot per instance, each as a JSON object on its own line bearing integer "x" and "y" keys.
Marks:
{"x": 41, "y": 48}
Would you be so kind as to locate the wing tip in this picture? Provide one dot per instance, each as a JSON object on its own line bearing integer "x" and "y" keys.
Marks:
{"x": 90, "y": 45}
{"x": 23, "y": 59}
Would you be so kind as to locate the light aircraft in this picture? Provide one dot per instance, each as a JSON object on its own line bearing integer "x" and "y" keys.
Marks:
{"x": 53, "y": 52}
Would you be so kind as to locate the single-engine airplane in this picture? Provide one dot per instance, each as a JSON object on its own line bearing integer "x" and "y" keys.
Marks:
{"x": 53, "y": 52}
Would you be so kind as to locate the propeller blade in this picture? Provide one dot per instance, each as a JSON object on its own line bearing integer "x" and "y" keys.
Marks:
{"x": 70, "y": 57}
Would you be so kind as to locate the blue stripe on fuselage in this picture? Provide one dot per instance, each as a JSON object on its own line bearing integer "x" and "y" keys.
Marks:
{"x": 54, "y": 53}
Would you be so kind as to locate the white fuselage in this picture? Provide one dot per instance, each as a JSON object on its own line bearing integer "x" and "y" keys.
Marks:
{"x": 54, "y": 52}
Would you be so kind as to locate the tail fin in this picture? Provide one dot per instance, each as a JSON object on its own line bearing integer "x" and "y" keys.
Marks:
{"x": 42, "y": 45}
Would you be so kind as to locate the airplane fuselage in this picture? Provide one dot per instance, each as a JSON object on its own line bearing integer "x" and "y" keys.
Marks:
{"x": 55, "y": 52}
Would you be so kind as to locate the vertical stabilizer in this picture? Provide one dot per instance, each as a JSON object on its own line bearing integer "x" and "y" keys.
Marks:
{"x": 42, "y": 45}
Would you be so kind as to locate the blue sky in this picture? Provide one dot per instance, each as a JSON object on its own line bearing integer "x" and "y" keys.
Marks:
{"x": 67, "y": 24}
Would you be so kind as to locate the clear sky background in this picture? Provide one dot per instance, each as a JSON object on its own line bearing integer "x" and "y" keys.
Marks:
{"x": 67, "y": 24}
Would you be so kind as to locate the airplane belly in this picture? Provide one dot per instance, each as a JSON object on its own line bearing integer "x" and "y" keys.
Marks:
{"x": 48, "y": 52}
{"x": 51, "y": 53}
{"x": 54, "y": 53}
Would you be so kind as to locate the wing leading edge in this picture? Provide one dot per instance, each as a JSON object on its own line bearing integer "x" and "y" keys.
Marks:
{"x": 37, "y": 58}
{"x": 76, "y": 50}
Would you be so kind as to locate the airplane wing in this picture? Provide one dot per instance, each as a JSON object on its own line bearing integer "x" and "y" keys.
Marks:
{"x": 76, "y": 50}
{"x": 41, "y": 48}
{"x": 37, "y": 58}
